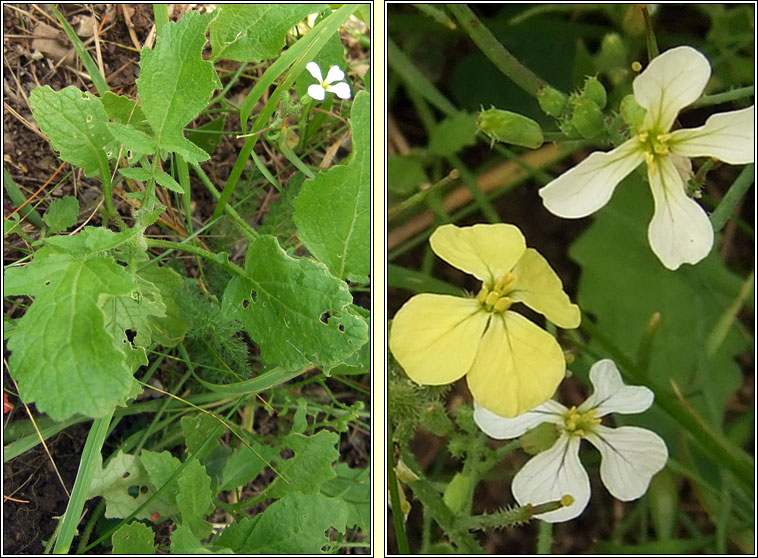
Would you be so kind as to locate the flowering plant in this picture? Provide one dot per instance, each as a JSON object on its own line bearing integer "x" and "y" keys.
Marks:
{"x": 630, "y": 456}
{"x": 680, "y": 231}
{"x": 333, "y": 82}
{"x": 510, "y": 363}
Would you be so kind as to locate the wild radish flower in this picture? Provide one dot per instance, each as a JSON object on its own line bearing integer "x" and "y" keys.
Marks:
{"x": 630, "y": 456}
{"x": 680, "y": 231}
{"x": 318, "y": 90}
{"x": 510, "y": 363}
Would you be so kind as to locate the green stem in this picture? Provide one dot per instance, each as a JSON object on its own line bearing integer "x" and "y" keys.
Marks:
{"x": 419, "y": 197}
{"x": 725, "y": 97}
{"x": 736, "y": 191}
{"x": 496, "y": 52}
{"x": 397, "y": 514}
{"x": 216, "y": 258}
{"x": 544, "y": 537}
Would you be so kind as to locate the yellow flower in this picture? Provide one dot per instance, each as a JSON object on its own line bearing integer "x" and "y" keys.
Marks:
{"x": 510, "y": 364}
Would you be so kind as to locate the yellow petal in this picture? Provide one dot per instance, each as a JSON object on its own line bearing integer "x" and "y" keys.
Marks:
{"x": 538, "y": 286}
{"x": 519, "y": 365}
{"x": 484, "y": 251}
{"x": 435, "y": 337}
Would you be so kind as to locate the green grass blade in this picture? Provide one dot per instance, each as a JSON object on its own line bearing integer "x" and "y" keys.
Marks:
{"x": 89, "y": 64}
{"x": 79, "y": 494}
{"x": 18, "y": 198}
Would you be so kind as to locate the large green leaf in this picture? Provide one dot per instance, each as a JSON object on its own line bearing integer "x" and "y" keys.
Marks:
{"x": 75, "y": 122}
{"x": 622, "y": 284}
{"x": 62, "y": 357}
{"x": 353, "y": 485}
{"x": 297, "y": 312}
{"x": 333, "y": 210}
{"x": 295, "y": 524}
{"x": 175, "y": 83}
{"x": 134, "y": 538}
{"x": 310, "y": 467}
{"x": 194, "y": 498}
{"x": 253, "y": 32}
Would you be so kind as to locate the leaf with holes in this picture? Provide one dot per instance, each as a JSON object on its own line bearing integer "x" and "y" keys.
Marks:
{"x": 175, "y": 83}
{"x": 310, "y": 467}
{"x": 254, "y": 32}
{"x": 297, "y": 312}
{"x": 75, "y": 121}
{"x": 333, "y": 210}
{"x": 125, "y": 485}
{"x": 295, "y": 524}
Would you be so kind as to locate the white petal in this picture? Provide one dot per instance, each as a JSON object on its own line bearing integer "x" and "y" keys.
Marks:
{"x": 588, "y": 186}
{"x": 314, "y": 70}
{"x": 671, "y": 81}
{"x": 630, "y": 457}
{"x": 502, "y": 428}
{"x": 341, "y": 89}
{"x": 551, "y": 474}
{"x": 680, "y": 231}
{"x": 317, "y": 92}
{"x": 334, "y": 74}
{"x": 727, "y": 136}
{"x": 612, "y": 395}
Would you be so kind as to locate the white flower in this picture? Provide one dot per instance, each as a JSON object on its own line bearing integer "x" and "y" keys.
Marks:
{"x": 318, "y": 90}
{"x": 680, "y": 231}
{"x": 630, "y": 456}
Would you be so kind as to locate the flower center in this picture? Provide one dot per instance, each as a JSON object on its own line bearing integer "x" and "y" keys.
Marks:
{"x": 496, "y": 299}
{"x": 577, "y": 423}
{"x": 653, "y": 145}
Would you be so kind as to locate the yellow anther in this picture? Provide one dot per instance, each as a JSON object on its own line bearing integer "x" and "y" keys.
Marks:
{"x": 660, "y": 148}
{"x": 664, "y": 137}
{"x": 483, "y": 292}
{"x": 491, "y": 299}
{"x": 505, "y": 283}
{"x": 642, "y": 136}
{"x": 502, "y": 305}
{"x": 567, "y": 500}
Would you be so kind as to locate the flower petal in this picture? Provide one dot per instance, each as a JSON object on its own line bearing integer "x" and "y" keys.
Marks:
{"x": 485, "y": 251}
{"x": 671, "y": 81}
{"x": 502, "y": 428}
{"x": 334, "y": 74}
{"x": 551, "y": 474}
{"x": 727, "y": 136}
{"x": 341, "y": 89}
{"x": 612, "y": 395}
{"x": 588, "y": 186}
{"x": 316, "y": 92}
{"x": 314, "y": 70}
{"x": 680, "y": 231}
{"x": 519, "y": 365}
{"x": 630, "y": 457}
{"x": 538, "y": 286}
{"x": 435, "y": 337}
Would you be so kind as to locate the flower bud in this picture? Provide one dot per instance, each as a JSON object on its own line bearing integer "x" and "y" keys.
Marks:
{"x": 540, "y": 438}
{"x": 587, "y": 118}
{"x": 435, "y": 419}
{"x": 551, "y": 101}
{"x": 632, "y": 113}
{"x": 613, "y": 52}
{"x": 458, "y": 493}
{"x": 594, "y": 91}
{"x": 509, "y": 127}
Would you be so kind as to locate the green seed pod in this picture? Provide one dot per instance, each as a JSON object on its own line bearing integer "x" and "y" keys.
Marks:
{"x": 594, "y": 91}
{"x": 551, "y": 101}
{"x": 509, "y": 127}
{"x": 587, "y": 118}
{"x": 632, "y": 113}
{"x": 613, "y": 52}
{"x": 540, "y": 438}
{"x": 459, "y": 492}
